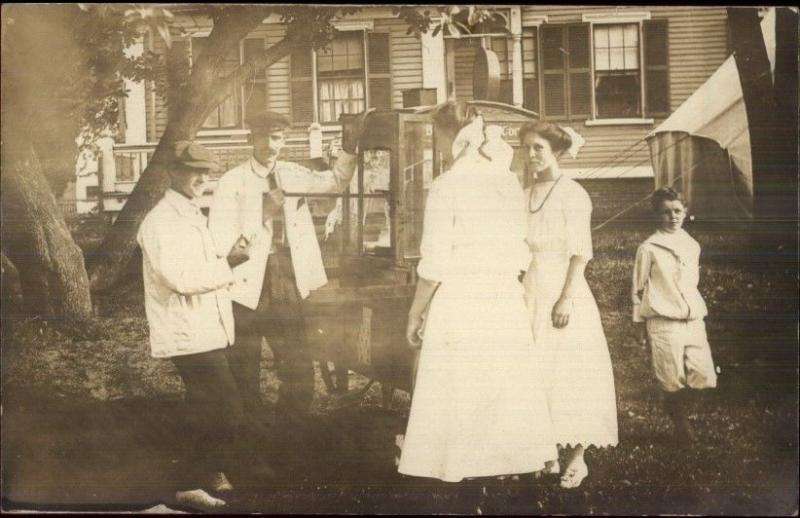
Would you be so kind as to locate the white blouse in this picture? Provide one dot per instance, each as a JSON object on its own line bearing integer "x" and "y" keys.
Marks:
{"x": 562, "y": 225}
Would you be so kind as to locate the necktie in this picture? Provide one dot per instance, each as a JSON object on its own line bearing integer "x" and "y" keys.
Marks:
{"x": 278, "y": 232}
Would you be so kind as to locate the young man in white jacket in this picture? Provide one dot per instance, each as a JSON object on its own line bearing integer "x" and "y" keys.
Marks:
{"x": 246, "y": 202}
{"x": 188, "y": 308}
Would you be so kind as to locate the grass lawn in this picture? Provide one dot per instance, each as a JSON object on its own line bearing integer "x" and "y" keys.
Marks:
{"x": 91, "y": 421}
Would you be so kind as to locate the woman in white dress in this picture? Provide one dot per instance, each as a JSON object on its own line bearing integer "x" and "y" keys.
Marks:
{"x": 476, "y": 410}
{"x": 565, "y": 320}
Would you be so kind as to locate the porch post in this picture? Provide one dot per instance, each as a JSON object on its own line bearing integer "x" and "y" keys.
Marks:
{"x": 135, "y": 112}
{"x": 516, "y": 56}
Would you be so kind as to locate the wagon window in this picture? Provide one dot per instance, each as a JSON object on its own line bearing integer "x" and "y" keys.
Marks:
{"x": 416, "y": 177}
{"x": 375, "y": 214}
{"x": 358, "y": 220}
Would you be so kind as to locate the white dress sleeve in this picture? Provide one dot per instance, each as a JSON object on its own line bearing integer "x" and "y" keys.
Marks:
{"x": 578, "y": 217}
{"x": 436, "y": 247}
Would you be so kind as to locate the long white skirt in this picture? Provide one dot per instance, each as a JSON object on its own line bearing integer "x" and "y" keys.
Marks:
{"x": 577, "y": 374}
{"x": 477, "y": 408}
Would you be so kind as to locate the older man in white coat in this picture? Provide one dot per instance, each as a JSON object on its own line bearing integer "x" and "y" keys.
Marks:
{"x": 246, "y": 202}
{"x": 189, "y": 313}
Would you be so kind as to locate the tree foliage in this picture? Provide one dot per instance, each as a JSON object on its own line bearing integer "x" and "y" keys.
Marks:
{"x": 63, "y": 77}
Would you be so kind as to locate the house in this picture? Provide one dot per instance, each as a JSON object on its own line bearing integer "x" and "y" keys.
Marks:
{"x": 611, "y": 73}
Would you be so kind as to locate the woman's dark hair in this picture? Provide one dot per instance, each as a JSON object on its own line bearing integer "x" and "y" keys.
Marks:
{"x": 451, "y": 116}
{"x": 559, "y": 139}
{"x": 665, "y": 194}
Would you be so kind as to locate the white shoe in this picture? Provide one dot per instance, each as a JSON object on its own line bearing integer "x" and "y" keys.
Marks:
{"x": 199, "y": 500}
{"x": 574, "y": 475}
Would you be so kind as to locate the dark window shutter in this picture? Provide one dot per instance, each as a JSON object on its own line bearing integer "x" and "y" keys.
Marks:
{"x": 554, "y": 71}
{"x": 379, "y": 70}
{"x": 178, "y": 70}
{"x": 302, "y": 85}
{"x": 530, "y": 70}
{"x": 656, "y": 67}
{"x": 531, "y": 95}
{"x": 553, "y": 51}
{"x": 507, "y": 91}
{"x": 579, "y": 48}
{"x": 554, "y": 99}
{"x": 579, "y": 73}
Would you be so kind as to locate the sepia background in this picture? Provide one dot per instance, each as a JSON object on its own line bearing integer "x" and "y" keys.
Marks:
{"x": 700, "y": 98}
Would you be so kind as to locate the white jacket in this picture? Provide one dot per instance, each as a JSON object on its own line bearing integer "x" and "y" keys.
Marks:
{"x": 237, "y": 210}
{"x": 186, "y": 298}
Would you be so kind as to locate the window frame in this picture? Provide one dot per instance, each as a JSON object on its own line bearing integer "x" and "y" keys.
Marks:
{"x": 238, "y": 100}
{"x": 618, "y": 18}
{"x": 317, "y": 78}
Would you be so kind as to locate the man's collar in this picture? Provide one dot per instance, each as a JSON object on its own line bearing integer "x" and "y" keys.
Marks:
{"x": 259, "y": 169}
{"x": 184, "y": 205}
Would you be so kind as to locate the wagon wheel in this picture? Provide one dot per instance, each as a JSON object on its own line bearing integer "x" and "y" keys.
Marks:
{"x": 342, "y": 383}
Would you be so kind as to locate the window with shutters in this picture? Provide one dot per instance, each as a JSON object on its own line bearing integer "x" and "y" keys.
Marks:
{"x": 631, "y": 78}
{"x": 352, "y": 73}
{"x": 251, "y": 97}
{"x": 566, "y": 71}
{"x": 228, "y": 114}
{"x": 340, "y": 76}
{"x": 254, "y": 89}
{"x": 617, "y": 71}
{"x": 620, "y": 72}
{"x": 530, "y": 70}
{"x": 502, "y": 47}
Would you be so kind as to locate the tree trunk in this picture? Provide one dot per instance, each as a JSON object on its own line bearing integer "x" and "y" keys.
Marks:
{"x": 757, "y": 89}
{"x": 786, "y": 122}
{"x": 205, "y": 90}
{"x": 37, "y": 240}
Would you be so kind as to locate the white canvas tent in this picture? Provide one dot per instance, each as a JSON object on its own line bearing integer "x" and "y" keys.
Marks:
{"x": 703, "y": 148}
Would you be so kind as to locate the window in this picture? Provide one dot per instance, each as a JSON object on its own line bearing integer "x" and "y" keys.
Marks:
{"x": 620, "y": 72}
{"x": 566, "y": 74}
{"x": 340, "y": 76}
{"x": 503, "y": 47}
{"x": 254, "y": 90}
{"x": 226, "y": 115}
{"x": 251, "y": 97}
{"x": 617, "y": 71}
{"x": 352, "y": 73}
{"x": 530, "y": 74}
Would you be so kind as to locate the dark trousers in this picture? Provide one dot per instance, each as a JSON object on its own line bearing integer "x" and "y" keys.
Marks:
{"x": 293, "y": 363}
{"x": 214, "y": 414}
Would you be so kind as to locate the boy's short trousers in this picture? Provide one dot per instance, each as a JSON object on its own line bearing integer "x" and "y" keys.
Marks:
{"x": 680, "y": 353}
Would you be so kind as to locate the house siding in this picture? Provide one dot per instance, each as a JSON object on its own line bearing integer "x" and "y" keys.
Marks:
{"x": 697, "y": 43}
{"x": 697, "y": 46}
{"x": 406, "y": 58}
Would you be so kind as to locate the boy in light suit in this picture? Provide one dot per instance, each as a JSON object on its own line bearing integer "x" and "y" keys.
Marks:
{"x": 671, "y": 311}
